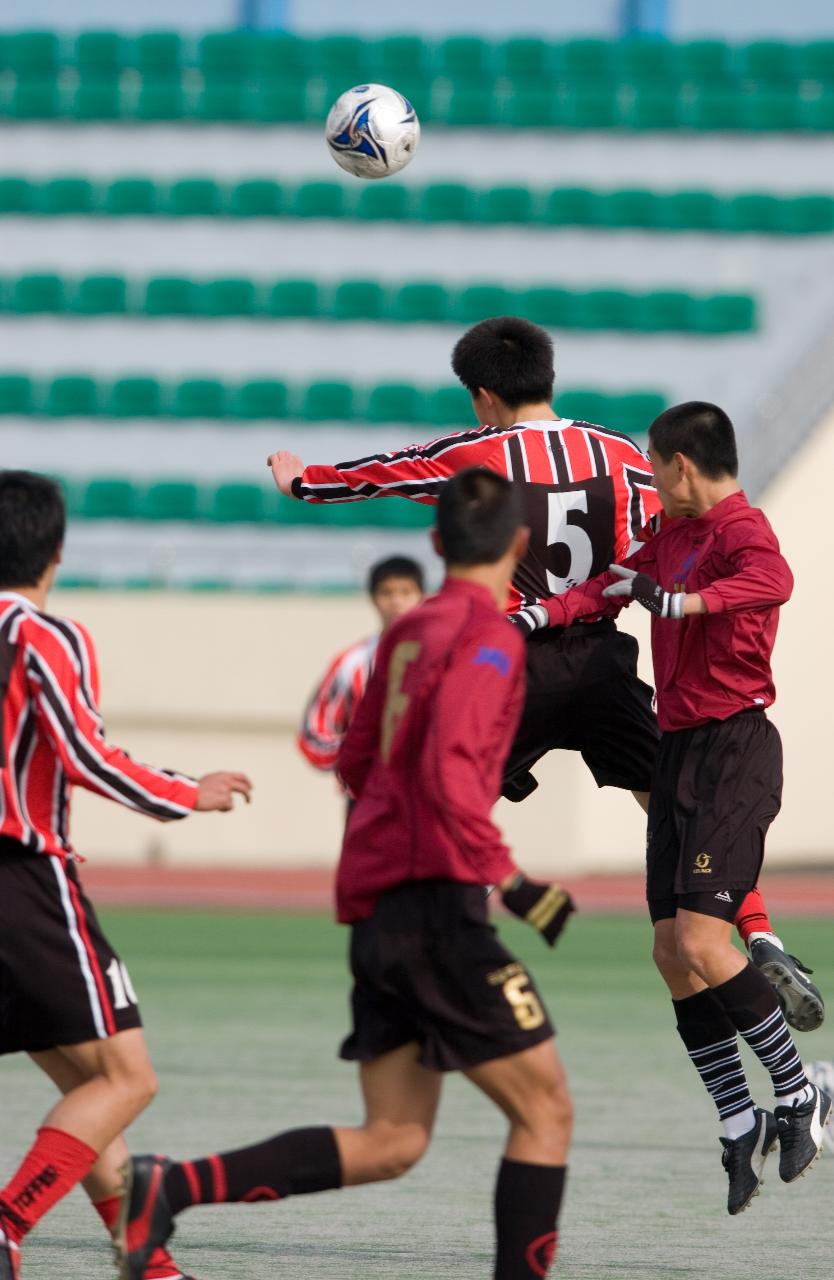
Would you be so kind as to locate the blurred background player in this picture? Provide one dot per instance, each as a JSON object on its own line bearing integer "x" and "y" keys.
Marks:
{"x": 66, "y": 998}
{"x": 395, "y": 585}
{"x": 589, "y": 498}
{"x": 714, "y": 578}
{"x": 434, "y": 989}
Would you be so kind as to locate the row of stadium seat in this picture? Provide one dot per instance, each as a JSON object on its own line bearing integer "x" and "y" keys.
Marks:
{"x": 79, "y": 395}
{"x": 230, "y": 502}
{"x": 197, "y": 197}
{"x": 419, "y": 301}
{"x": 395, "y": 59}
{"x": 546, "y": 104}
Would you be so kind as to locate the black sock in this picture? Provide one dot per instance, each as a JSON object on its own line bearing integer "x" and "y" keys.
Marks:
{"x": 527, "y": 1200}
{"x": 294, "y": 1163}
{"x": 712, "y": 1044}
{"x": 752, "y": 1006}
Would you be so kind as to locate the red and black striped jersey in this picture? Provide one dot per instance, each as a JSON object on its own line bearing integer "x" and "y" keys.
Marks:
{"x": 331, "y": 707}
{"x": 588, "y": 492}
{"x": 53, "y": 738}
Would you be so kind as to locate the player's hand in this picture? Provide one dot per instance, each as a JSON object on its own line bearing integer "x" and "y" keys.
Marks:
{"x": 544, "y": 906}
{"x": 286, "y": 467}
{"x": 647, "y": 592}
{"x": 216, "y": 791}
{"x": 530, "y": 619}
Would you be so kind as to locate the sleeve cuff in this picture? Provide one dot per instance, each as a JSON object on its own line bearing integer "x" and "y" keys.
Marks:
{"x": 296, "y": 487}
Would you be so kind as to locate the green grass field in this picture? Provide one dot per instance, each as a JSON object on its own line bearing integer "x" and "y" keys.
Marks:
{"x": 244, "y": 1014}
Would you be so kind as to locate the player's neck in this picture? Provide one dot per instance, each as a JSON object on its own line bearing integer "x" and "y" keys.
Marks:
{"x": 494, "y": 577}
{"x": 38, "y": 591}
{"x": 706, "y": 494}
{"x": 537, "y": 411}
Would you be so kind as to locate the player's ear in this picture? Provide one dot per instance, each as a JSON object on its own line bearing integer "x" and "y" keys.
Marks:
{"x": 521, "y": 542}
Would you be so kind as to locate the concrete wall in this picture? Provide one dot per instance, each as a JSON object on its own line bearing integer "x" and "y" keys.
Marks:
{"x": 204, "y": 682}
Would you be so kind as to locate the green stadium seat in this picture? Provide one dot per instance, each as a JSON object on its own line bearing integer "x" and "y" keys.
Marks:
{"x": 170, "y": 296}
{"x": 751, "y": 211}
{"x": 17, "y": 195}
{"x": 278, "y": 102}
{"x": 529, "y": 107}
{"x": 130, "y": 198}
{"x": 401, "y": 60}
{"x": 421, "y": 302}
{"x": 221, "y": 99}
{"x": 470, "y": 104}
{"x": 590, "y": 108}
{"x": 340, "y": 58}
{"x": 662, "y": 311}
{"x": 159, "y": 98}
{"x": 583, "y": 60}
{"x": 464, "y": 58}
{"x": 806, "y": 215}
{"x": 100, "y": 296}
{"x": 199, "y": 398}
{"x": 478, "y": 302}
{"x": 358, "y": 300}
{"x": 584, "y": 406}
{"x": 293, "y": 298}
{"x": 570, "y": 207}
{"x": 815, "y": 61}
{"x": 16, "y": 393}
{"x": 108, "y": 499}
{"x": 99, "y": 53}
{"x": 170, "y": 500}
{"x": 279, "y": 54}
{"x": 449, "y": 406}
{"x": 817, "y": 113}
{"x": 724, "y": 313}
{"x": 380, "y": 201}
{"x": 65, "y": 196}
{"x": 525, "y": 59}
{"x": 547, "y": 305}
{"x": 157, "y": 53}
{"x": 34, "y": 294}
{"x": 645, "y": 62}
{"x": 505, "y": 204}
{"x": 229, "y": 297}
{"x": 705, "y": 63}
{"x": 689, "y": 210}
{"x": 714, "y": 109}
{"x": 654, "y": 108}
{"x": 635, "y": 411}
{"x": 394, "y": 402}
{"x": 255, "y": 198}
{"x": 317, "y": 200}
{"x": 625, "y": 208}
{"x": 327, "y": 401}
{"x": 446, "y": 202}
{"x": 225, "y": 54}
{"x": 192, "y": 198}
{"x": 74, "y": 396}
{"x": 96, "y": 98}
{"x": 260, "y": 398}
{"x": 133, "y": 397}
{"x": 770, "y": 110}
{"x": 238, "y": 503}
{"x": 768, "y": 63}
{"x": 34, "y": 99}
{"x": 603, "y": 309}
{"x": 33, "y": 53}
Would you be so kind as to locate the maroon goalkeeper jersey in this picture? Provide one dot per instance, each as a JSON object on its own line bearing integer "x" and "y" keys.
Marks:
{"x": 52, "y": 735}
{"x": 588, "y": 492}
{"x": 424, "y": 754}
{"x": 707, "y": 666}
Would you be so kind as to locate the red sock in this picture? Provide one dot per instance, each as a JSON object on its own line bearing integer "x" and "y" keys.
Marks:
{"x": 752, "y": 916}
{"x": 53, "y": 1166}
{"x": 160, "y": 1265}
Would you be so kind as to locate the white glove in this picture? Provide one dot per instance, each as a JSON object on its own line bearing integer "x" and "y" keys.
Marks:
{"x": 647, "y": 592}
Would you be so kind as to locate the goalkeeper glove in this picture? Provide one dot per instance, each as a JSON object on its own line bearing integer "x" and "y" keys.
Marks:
{"x": 647, "y": 592}
{"x": 530, "y": 619}
{"x": 544, "y": 906}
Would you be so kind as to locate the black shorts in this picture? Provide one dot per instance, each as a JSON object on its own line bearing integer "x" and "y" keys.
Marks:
{"x": 716, "y": 789}
{"x": 60, "y": 980}
{"x": 584, "y": 694}
{"x": 429, "y": 967}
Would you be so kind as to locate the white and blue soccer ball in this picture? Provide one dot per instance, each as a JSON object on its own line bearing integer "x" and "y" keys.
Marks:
{"x": 372, "y": 131}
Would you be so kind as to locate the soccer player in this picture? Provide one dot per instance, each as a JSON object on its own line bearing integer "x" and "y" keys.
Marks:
{"x": 395, "y": 585}
{"x": 65, "y": 996}
{"x": 434, "y": 989}
{"x": 589, "y": 498}
{"x": 714, "y": 578}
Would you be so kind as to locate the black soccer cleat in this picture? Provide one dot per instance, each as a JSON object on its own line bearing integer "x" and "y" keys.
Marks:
{"x": 801, "y": 1129}
{"x": 145, "y": 1218}
{"x": 801, "y": 1001}
{"x": 744, "y": 1159}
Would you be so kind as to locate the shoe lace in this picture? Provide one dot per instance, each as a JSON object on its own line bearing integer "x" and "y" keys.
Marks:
{"x": 731, "y": 1158}
{"x": 803, "y": 968}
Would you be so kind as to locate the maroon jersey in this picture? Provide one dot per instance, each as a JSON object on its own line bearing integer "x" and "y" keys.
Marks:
{"x": 425, "y": 750}
{"x": 707, "y": 666}
{"x": 588, "y": 492}
{"x": 52, "y": 735}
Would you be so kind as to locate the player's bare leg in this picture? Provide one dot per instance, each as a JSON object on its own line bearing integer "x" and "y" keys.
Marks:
{"x": 104, "y": 1183}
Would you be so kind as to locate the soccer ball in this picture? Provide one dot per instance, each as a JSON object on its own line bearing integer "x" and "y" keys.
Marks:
{"x": 372, "y": 131}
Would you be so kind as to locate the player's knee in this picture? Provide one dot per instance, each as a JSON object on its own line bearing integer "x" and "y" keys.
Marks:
{"x": 694, "y": 953}
{"x": 138, "y": 1087}
{"x": 665, "y": 955}
{"x": 397, "y": 1148}
{"x": 546, "y": 1109}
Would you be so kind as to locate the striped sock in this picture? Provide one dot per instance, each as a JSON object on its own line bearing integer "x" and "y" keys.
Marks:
{"x": 752, "y": 1006}
{"x": 712, "y": 1045}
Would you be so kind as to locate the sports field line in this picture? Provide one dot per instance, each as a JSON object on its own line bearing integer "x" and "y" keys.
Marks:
{"x": 311, "y": 889}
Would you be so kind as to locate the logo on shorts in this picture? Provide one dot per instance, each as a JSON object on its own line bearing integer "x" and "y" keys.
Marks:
{"x": 702, "y": 865}
{"x": 540, "y": 1253}
{"x": 724, "y": 896}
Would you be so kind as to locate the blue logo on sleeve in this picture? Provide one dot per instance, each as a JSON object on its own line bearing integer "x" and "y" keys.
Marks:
{"x": 493, "y": 658}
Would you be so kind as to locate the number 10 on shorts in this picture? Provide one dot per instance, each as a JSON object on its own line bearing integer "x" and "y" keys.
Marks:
{"x": 123, "y": 993}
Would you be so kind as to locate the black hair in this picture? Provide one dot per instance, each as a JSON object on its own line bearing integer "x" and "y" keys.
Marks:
{"x": 478, "y": 514}
{"x": 32, "y": 525}
{"x": 509, "y": 356}
{"x": 701, "y": 432}
{"x": 395, "y": 567}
